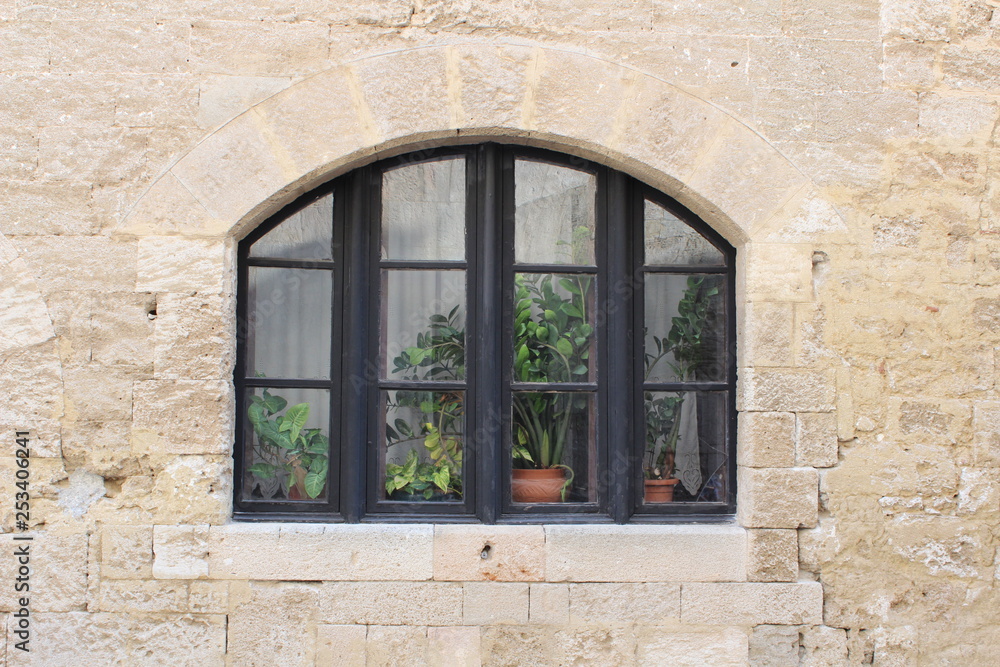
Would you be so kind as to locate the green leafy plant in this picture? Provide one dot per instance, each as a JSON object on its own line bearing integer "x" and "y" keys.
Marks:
{"x": 439, "y": 430}
{"x": 683, "y": 350}
{"x": 282, "y": 439}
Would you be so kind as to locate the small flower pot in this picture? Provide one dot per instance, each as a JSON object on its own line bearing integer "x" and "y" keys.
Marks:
{"x": 659, "y": 490}
{"x": 543, "y": 485}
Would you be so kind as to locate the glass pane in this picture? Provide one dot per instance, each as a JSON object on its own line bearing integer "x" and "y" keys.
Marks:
{"x": 424, "y": 434}
{"x": 553, "y": 453}
{"x": 553, "y": 214}
{"x": 289, "y": 323}
{"x": 669, "y": 240}
{"x": 685, "y": 328}
{"x": 685, "y": 451}
{"x": 423, "y": 325}
{"x": 286, "y": 463}
{"x": 423, "y": 211}
{"x": 307, "y": 234}
{"x": 554, "y": 337}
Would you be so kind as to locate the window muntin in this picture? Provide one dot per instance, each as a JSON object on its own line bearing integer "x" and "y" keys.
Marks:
{"x": 485, "y": 303}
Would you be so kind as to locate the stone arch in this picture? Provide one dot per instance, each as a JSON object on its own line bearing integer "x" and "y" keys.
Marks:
{"x": 287, "y": 144}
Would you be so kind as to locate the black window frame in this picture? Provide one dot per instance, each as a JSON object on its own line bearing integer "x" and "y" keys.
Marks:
{"x": 354, "y": 382}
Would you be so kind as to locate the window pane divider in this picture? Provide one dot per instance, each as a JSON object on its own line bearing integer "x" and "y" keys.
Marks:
{"x": 282, "y": 263}
{"x": 420, "y": 264}
{"x": 421, "y": 385}
{"x": 685, "y": 386}
{"x": 553, "y": 386}
{"x": 554, "y": 268}
{"x": 689, "y": 269}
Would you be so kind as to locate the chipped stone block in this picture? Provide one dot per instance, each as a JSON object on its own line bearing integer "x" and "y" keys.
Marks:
{"x": 58, "y": 564}
{"x": 773, "y": 555}
{"x": 489, "y": 603}
{"x": 645, "y": 553}
{"x": 752, "y": 603}
{"x": 548, "y": 604}
{"x": 396, "y": 646}
{"x": 143, "y": 597}
{"x": 458, "y": 646}
{"x": 256, "y": 634}
{"x": 341, "y": 645}
{"x": 766, "y": 439}
{"x": 208, "y": 597}
{"x": 594, "y": 645}
{"x": 816, "y": 442}
{"x": 611, "y": 604}
{"x": 194, "y": 337}
{"x": 778, "y": 497}
{"x": 183, "y": 417}
{"x": 822, "y": 646}
{"x": 175, "y": 264}
{"x": 512, "y": 553}
{"x": 127, "y": 552}
{"x": 774, "y": 646}
{"x": 787, "y": 390}
{"x": 716, "y": 646}
{"x": 180, "y": 552}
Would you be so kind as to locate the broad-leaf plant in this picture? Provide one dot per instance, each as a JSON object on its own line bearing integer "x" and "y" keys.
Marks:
{"x": 282, "y": 443}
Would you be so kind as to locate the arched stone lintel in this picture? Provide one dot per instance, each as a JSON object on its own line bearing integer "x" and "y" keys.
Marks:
{"x": 365, "y": 110}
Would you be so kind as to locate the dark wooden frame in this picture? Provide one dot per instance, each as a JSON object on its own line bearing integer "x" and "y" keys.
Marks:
{"x": 354, "y": 385}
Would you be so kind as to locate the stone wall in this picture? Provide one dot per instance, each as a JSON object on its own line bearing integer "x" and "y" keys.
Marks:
{"x": 846, "y": 148}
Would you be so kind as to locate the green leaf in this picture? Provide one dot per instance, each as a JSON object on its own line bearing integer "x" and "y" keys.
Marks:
{"x": 262, "y": 470}
{"x": 550, "y": 315}
{"x": 314, "y": 483}
{"x": 572, "y": 311}
{"x": 564, "y": 346}
{"x": 318, "y": 444}
{"x": 270, "y": 433}
{"x": 295, "y": 418}
{"x": 580, "y": 370}
{"x": 569, "y": 286}
{"x": 256, "y": 414}
{"x": 416, "y": 354}
{"x": 274, "y": 404}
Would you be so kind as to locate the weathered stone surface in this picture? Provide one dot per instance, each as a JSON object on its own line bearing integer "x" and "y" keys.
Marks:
{"x": 645, "y": 553}
{"x": 514, "y": 645}
{"x": 392, "y": 645}
{"x": 816, "y": 439}
{"x": 768, "y": 338}
{"x": 103, "y": 448}
{"x": 488, "y": 603}
{"x": 722, "y": 646}
{"x": 342, "y": 645}
{"x": 180, "y": 552}
{"x": 105, "y": 155}
{"x": 766, "y": 439}
{"x": 773, "y": 555}
{"x": 121, "y": 330}
{"x": 119, "y": 46}
{"x": 58, "y": 564}
{"x": 594, "y": 646}
{"x": 24, "y": 320}
{"x": 183, "y": 417}
{"x": 258, "y": 47}
{"x": 382, "y": 603}
{"x": 512, "y": 553}
{"x": 143, "y": 597}
{"x": 778, "y": 497}
{"x": 256, "y": 634}
{"x": 99, "y": 264}
{"x": 333, "y": 552}
{"x": 548, "y": 604}
{"x": 208, "y": 597}
{"x": 459, "y": 646}
{"x": 787, "y": 390}
{"x": 823, "y": 647}
{"x": 752, "y": 604}
{"x": 610, "y": 604}
{"x": 170, "y": 264}
{"x": 774, "y": 646}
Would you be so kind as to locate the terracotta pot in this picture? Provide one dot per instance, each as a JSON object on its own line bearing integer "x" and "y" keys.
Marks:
{"x": 660, "y": 490}
{"x": 544, "y": 485}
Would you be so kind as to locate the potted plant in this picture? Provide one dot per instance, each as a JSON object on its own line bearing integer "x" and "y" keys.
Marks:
{"x": 283, "y": 446}
{"x": 682, "y": 349}
{"x": 552, "y": 337}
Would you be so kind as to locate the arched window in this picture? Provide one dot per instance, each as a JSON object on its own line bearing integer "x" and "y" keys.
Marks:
{"x": 485, "y": 332}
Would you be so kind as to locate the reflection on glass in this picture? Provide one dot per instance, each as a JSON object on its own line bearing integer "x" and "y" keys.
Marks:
{"x": 424, "y": 434}
{"x": 554, "y": 338}
{"x": 553, "y": 453}
{"x": 289, "y": 323}
{"x": 685, "y": 450}
{"x": 287, "y": 444}
{"x": 424, "y": 325}
{"x": 307, "y": 234}
{"x": 685, "y": 328}
{"x": 423, "y": 211}
{"x": 553, "y": 214}
{"x": 669, "y": 240}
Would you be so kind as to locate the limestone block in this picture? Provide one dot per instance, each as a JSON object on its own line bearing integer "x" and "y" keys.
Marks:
{"x": 45, "y": 441}
{"x": 774, "y": 646}
{"x": 112, "y": 402}
{"x": 180, "y": 552}
{"x": 612, "y": 604}
{"x": 394, "y": 603}
{"x": 645, "y": 553}
{"x": 716, "y": 646}
{"x": 341, "y": 645}
{"x": 495, "y": 603}
{"x": 965, "y": 69}
{"x": 73, "y": 100}
{"x": 778, "y": 497}
{"x": 752, "y": 604}
{"x": 117, "y": 46}
{"x": 112, "y": 639}
{"x": 419, "y": 80}
{"x": 767, "y": 340}
{"x": 390, "y": 13}
{"x": 835, "y": 164}
{"x": 979, "y": 493}
{"x": 895, "y": 646}
{"x": 766, "y": 439}
{"x": 458, "y": 646}
{"x": 494, "y": 84}
{"x": 816, "y": 439}
{"x": 208, "y": 597}
{"x": 856, "y": 19}
{"x": 20, "y": 156}
{"x": 259, "y": 636}
{"x": 930, "y": 421}
{"x": 816, "y": 64}
{"x": 718, "y": 17}
{"x": 183, "y": 417}
{"x": 144, "y": 100}
{"x": 773, "y": 555}
{"x": 26, "y": 46}
{"x": 956, "y": 116}
{"x": 512, "y": 553}
{"x": 37, "y": 208}
{"x": 270, "y": 48}
{"x": 222, "y": 97}
{"x": 194, "y": 337}
{"x": 941, "y": 546}
{"x": 103, "y": 448}
{"x": 99, "y": 155}
{"x": 99, "y": 264}
{"x": 548, "y": 604}
{"x": 396, "y": 646}
{"x": 143, "y": 597}
{"x": 514, "y": 645}
{"x": 58, "y": 564}
{"x": 594, "y": 646}
{"x": 823, "y": 646}
{"x": 24, "y": 320}
{"x": 121, "y": 331}
{"x": 192, "y": 489}
{"x": 169, "y": 207}
{"x": 779, "y": 272}
{"x": 917, "y": 20}
{"x": 171, "y": 264}
{"x": 909, "y": 65}
{"x": 382, "y": 552}
{"x": 787, "y": 390}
